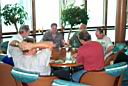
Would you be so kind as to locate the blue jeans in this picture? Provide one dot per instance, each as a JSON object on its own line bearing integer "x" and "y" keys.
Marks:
{"x": 77, "y": 75}
{"x": 8, "y": 60}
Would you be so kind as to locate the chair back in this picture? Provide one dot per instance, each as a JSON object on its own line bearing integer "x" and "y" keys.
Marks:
{"x": 43, "y": 81}
{"x": 110, "y": 59}
{"x": 58, "y": 54}
{"x": 6, "y": 79}
{"x": 100, "y": 78}
{"x": 55, "y": 54}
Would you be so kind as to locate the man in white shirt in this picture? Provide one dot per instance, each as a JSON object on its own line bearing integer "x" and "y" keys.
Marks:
{"x": 26, "y": 57}
{"x": 23, "y": 33}
{"x": 105, "y": 41}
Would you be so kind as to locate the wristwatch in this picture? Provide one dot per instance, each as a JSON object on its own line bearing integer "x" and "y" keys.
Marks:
{"x": 17, "y": 44}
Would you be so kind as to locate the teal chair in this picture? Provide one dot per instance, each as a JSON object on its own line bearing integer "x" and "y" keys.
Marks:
{"x": 4, "y": 46}
{"x": 24, "y": 76}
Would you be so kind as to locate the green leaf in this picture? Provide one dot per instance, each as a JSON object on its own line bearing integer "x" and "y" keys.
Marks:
{"x": 74, "y": 15}
{"x": 13, "y": 14}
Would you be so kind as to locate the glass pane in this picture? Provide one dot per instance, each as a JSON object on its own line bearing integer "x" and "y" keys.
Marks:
{"x": 111, "y": 12}
{"x": 127, "y": 13}
{"x": 95, "y": 12}
{"x": 111, "y": 35}
{"x": 75, "y": 2}
{"x": 47, "y": 12}
{"x": 27, "y": 4}
{"x": 126, "y": 36}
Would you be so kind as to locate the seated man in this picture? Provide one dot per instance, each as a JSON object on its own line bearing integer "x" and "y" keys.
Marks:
{"x": 104, "y": 40}
{"x": 26, "y": 57}
{"x": 23, "y": 33}
{"x": 90, "y": 54}
{"x": 74, "y": 42}
{"x": 54, "y": 36}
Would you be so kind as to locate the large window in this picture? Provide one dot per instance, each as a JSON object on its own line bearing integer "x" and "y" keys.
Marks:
{"x": 49, "y": 11}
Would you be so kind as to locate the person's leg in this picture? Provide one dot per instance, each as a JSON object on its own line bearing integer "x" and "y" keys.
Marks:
{"x": 8, "y": 60}
{"x": 77, "y": 75}
{"x": 62, "y": 73}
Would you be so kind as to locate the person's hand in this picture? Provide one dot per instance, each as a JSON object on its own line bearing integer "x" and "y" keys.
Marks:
{"x": 74, "y": 55}
{"x": 68, "y": 42}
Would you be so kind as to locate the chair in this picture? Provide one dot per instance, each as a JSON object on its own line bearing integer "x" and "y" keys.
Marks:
{"x": 6, "y": 78}
{"x": 4, "y": 46}
{"x": 100, "y": 78}
{"x": 43, "y": 81}
{"x": 111, "y": 58}
{"x": 58, "y": 54}
{"x": 119, "y": 48}
{"x": 55, "y": 54}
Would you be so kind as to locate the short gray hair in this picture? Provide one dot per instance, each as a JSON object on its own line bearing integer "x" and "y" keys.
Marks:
{"x": 24, "y": 28}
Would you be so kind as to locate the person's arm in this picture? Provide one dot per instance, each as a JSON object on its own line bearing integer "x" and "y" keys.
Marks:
{"x": 14, "y": 43}
{"x": 62, "y": 40}
{"x": 44, "y": 44}
{"x": 72, "y": 38}
{"x": 28, "y": 46}
{"x": 109, "y": 45}
{"x": 79, "y": 57}
{"x": 110, "y": 48}
{"x": 46, "y": 36}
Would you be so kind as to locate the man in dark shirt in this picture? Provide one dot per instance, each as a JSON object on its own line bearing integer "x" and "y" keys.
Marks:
{"x": 74, "y": 42}
{"x": 54, "y": 36}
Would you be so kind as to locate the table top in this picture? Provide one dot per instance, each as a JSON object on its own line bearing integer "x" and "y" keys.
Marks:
{"x": 65, "y": 64}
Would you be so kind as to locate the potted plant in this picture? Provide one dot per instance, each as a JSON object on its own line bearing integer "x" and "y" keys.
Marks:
{"x": 13, "y": 14}
{"x": 74, "y": 15}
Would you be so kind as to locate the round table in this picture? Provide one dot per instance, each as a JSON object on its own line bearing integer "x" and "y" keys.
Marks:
{"x": 71, "y": 67}
{"x": 65, "y": 65}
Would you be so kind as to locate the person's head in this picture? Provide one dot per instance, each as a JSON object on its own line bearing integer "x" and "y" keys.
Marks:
{"x": 84, "y": 36}
{"x": 54, "y": 28}
{"x": 83, "y": 27}
{"x": 29, "y": 52}
{"x": 99, "y": 33}
{"x": 24, "y": 31}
